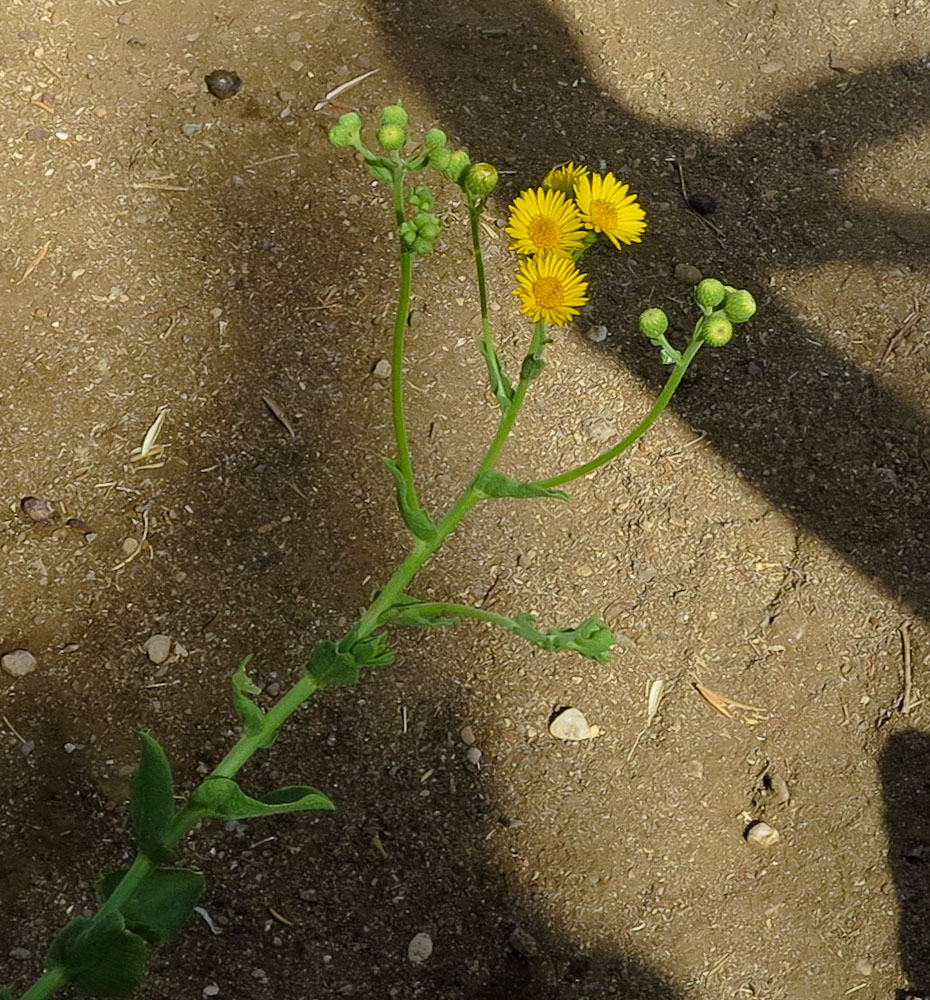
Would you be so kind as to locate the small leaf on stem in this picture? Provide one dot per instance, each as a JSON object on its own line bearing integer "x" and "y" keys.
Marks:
{"x": 592, "y": 638}
{"x": 224, "y": 799}
{"x": 500, "y": 384}
{"x": 251, "y": 715}
{"x": 101, "y": 958}
{"x": 151, "y": 799}
{"x": 494, "y": 484}
{"x": 416, "y": 518}
{"x": 161, "y": 903}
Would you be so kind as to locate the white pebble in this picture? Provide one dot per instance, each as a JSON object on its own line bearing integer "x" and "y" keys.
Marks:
{"x": 762, "y": 835}
{"x": 570, "y": 725}
{"x": 382, "y": 369}
{"x": 157, "y": 648}
{"x": 597, "y": 334}
{"x": 18, "y": 663}
{"x": 420, "y": 948}
{"x": 474, "y": 756}
{"x": 211, "y": 991}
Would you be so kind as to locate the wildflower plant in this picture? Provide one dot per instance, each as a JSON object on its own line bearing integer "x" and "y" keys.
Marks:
{"x": 551, "y": 227}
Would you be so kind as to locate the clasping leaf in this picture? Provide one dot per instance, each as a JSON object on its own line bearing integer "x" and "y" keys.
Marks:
{"x": 100, "y": 957}
{"x": 253, "y": 717}
{"x": 494, "y": 484}
{"x": 224, "y": 799}
{"x": 151, "y": 800}
{"x": 415, "y": 517}
{"x": 161, "y": 903}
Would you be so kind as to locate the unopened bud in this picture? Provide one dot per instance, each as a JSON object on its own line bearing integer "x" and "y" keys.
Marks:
{"x": 339, "y": 136}
{"x": 422, "y": 245}
{"x": 716, "y": 330}
{"x": 481, "y": 179}
{"x": 440, "y": 158}
{"x": 739, "y": 306}
{"x": 394, "y": 114}
{"x": 459, "y": 162}
{"x": 392, "y": 136}
{"x": 653, "y": 323}
{"x": 709, "y": 293}
{"x": 435, "y": 139}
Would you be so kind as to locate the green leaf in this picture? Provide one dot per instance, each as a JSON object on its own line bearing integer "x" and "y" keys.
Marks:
{"x": 161, "y": 904}
{"x": 224, "y": 799}
{"x": 151, "y": 799}
{"x": 372, "y": 651}
{"x": 494, "y": 484}
{"x": 253, "y": 717}
{"x": 407, "y": 610}
{"x": 592, "y": 638}
{"x": 330, "y": 668}
{"x": 380, "y": 172}
{"x": 500, "y": 384}
{"x": 100, "y": 957}
{"x": 418, "y": 521}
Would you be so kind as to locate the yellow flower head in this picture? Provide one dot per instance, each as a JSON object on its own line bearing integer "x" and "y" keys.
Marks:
{"x": 608, "y": 208}
{"x": 550, "y": 288}
{"x": 564, "y": 177}
{"x": 544, "y": 222}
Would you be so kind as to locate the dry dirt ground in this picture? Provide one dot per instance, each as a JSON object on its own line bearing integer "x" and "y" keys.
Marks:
{"x": 166, "y": 252}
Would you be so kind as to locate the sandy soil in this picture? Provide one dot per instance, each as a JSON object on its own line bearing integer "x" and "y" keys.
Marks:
{"x": 167, "y": 252}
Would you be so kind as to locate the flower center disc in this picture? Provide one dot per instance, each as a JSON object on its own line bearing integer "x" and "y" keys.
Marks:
{"x": 603, "y": 214}
{"x": 544, "y": 233}
{"x": 548, "y": 292}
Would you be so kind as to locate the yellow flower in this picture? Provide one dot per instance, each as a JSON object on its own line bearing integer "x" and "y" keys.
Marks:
{"x": 564, "y": 177}
{"x": 608, "y": 208}
{"x": 544, "y": 222}
{"x": 551, "y": 289}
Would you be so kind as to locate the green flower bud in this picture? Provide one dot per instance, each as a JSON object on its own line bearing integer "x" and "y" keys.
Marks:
{"x": 430, "y": 230}
{"x": 481, "y": 179}
{"x": 440, "y": 158}
{"x": 422, "y": 245}
{"x": 739, "y": 306}
{"x": 394, "y": 114}
{"x": 709, "y": 293}
{"x": 392, "y": 136}
{"x": 716, "y": 329}
{"x": 653, "y": 323}
{"x": 459, "y": 162}
{"x": 353, "y": 122}
{"x": 435, "y": 139}
{"x": 408, "y": 233}
{"x": 421, "y": 197}
{"x": 339, "y": 136}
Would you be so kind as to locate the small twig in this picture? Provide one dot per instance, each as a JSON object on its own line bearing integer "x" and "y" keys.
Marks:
{"x": 341, "y": 89}
{"x": 13, "y": 730}
{"x": 271, "y": 159}
{"x": 907, "y": 702}
{"x": 280, "y": 415}
{"x": 895, "y": 342}
{"x": 147, "y": 186}
{"x": 39, "y": 257}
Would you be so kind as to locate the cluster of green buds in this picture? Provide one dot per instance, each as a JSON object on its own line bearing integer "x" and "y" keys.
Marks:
{"x": 419, "y": 232}
{"x": 477, "y": 180}
{"x": 721, "y": 306}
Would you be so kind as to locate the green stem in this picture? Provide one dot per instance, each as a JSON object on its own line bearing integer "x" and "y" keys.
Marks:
{"x": 397, "y": 350}
{"x": 661, "y": 402}
{"x": 47, "y": 984}
{"x": 459, "y": 610}
{"x": 474, "y": 215}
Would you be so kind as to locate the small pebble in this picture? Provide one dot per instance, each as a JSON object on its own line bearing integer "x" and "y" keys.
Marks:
{"x": 382, "y": 369}
{"x": 38, "y": 510}
{"x": 78, "y": 525}
{"x": 570, "y": 725}
{"x": 157, "y": 648}
{"x": 223, "y": 83}
{"x": 523, "y": 943}
{"x": 762, "y": 835}
{"x": 38, "y": 135}
{"x": 20, "y": 954}
{"x": 420, "y": 948}
{"x": 129, "y": 546}
{"x": 26, "y": 748}
{"x": 211, "y": 991}
{"x": 777, "y": 787}
{"x": 821, "y": 148}
{"x": 467, "y": 735}
{"x": 191, "y": 129}
{"x": 768, "y": 68}
{"x": 18, "y": 663}
{"x": 703, "y": 204}
{"x": 687, "y": 274}
{"x": 474, "y": 756}
{"x": 597, "y": 334}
